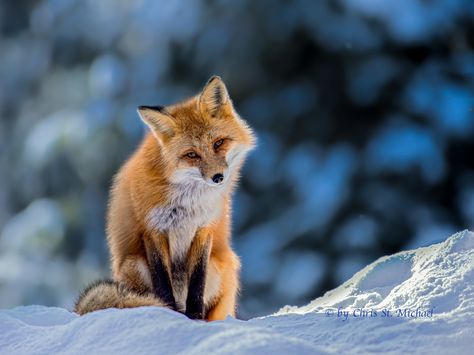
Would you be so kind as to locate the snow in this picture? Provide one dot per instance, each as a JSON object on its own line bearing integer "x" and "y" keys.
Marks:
{"x": 429, "y": 292}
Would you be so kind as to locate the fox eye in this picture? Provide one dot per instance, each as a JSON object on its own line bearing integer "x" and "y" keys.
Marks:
{"x": 192, "y": 155}
{"x": 218, "y": 143}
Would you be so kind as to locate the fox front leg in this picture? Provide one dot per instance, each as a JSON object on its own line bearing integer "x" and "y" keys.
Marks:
{"x": 198, "y": 257}
{"x": 157, "y": 250}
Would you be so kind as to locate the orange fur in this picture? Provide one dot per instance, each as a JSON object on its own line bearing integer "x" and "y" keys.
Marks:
{"x": 149, "y": 183}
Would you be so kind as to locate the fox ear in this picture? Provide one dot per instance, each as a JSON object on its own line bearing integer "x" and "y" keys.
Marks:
{"x": 159, "y": 120}
{"x": 214, "y": 96}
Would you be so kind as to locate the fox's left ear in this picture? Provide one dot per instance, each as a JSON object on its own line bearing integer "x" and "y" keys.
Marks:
{"x": 159, "y": 120}
{"x": 214, "y": 97}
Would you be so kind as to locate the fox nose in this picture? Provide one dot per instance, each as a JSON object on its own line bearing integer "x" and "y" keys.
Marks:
{"x": 218, "y": 178}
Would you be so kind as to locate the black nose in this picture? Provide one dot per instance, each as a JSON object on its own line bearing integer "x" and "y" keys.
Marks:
{"x": 218, "y": 178}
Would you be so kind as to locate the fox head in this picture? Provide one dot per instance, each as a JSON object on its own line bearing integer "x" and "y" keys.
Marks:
{"x": 202, "y": 139}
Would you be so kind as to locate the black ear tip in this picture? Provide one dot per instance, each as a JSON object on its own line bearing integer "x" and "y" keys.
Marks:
{"x": 158, "y": 108}
{"x": 213, "y": 78}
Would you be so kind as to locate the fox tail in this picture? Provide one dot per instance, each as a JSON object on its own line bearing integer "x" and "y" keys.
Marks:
{"x": 104, "y": 294}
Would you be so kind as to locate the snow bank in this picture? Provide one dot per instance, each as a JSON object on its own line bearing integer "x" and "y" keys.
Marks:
{"x": 420, "y": 300}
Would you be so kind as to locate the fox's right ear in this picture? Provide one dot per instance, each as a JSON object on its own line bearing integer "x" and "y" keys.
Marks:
{"x": 159, "y": 120}
{"x": 214, "y": 97}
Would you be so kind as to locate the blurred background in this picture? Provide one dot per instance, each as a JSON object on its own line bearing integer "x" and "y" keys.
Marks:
{"x": 364, "y": 110}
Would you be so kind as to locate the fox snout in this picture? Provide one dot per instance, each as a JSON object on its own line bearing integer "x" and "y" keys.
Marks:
{"x": 215, "y": 178}
{"x": 214, "y": 169}
{"x": 218, "y": 178}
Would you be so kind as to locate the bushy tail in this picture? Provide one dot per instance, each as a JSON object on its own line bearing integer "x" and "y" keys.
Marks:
{"x": 110, "y": 294}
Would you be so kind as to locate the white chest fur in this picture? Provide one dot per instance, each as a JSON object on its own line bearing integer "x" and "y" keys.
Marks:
{"x": 191, "y": 206}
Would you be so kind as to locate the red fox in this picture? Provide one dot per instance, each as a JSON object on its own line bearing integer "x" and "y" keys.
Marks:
{"x": 169, "y": 215}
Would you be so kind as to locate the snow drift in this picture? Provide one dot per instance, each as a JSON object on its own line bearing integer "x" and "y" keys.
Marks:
{"x": 413, "y": 301}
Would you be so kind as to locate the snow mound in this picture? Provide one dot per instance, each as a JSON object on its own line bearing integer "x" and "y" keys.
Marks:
{"x": 439, "y": 277}
{"x": 413, "y": 301}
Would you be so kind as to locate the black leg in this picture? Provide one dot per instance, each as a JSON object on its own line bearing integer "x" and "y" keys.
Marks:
{"x": 195, "y": 301}
{"x": 159, "y": 276}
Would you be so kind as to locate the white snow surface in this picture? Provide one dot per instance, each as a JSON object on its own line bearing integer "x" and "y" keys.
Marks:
{"x": 434, "y": 284}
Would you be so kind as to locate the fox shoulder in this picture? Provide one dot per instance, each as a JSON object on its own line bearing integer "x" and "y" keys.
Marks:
{"x": 104, "y": 294}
